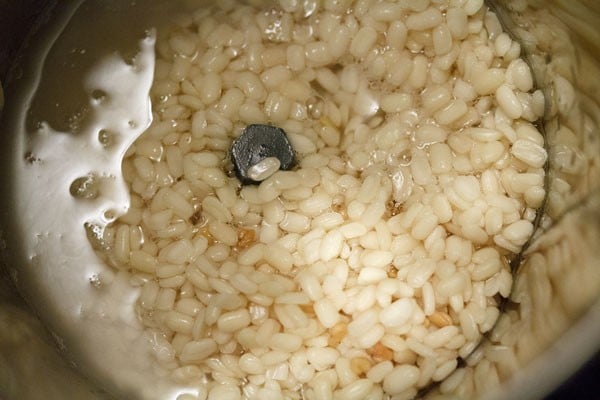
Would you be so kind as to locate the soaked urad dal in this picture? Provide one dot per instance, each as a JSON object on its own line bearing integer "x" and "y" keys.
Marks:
{"x": 379, "y": 261}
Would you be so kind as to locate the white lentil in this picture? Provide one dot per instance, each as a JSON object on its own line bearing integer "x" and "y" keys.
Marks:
{"x": 410, "y": 125}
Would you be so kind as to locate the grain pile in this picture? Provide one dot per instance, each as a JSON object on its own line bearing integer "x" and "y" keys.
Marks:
{"x": 369, "y": 269}
{"x": 558, "y": 284}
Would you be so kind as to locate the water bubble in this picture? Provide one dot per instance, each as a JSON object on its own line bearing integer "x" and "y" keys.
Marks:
{"x": 75, "y": 120}
{"x": 95, "y": 235}
{"x": 402, "y": 158}
{"x": 99, "y": 95}
{"x": 130, "y": 57}
{"x": 95, "y": 281}
{"x": 110, "y": 215}
{"x": 85, "y": 187}
{"x": 316, "y": 107}
{"x": 77, "y": 50}
{"x": 31, "y": 158}
{"x": 106, "y": 137}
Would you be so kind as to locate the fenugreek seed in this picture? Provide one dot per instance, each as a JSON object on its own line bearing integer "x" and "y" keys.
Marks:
{"x": 440, "y": 319}
{"x": 337, "y": 333}
{"x": 246, "y": 237}
{"x": 360, "y": 365}
{"x": 380, "y": 353}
